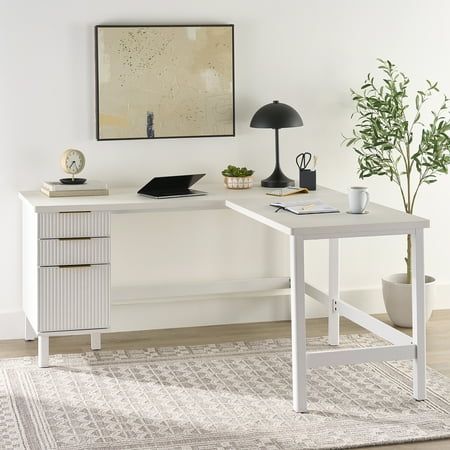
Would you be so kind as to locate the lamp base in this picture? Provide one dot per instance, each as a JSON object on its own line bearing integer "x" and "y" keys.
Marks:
{"x": 277, "y": 179}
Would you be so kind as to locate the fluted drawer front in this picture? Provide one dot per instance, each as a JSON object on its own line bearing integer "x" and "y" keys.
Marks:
{"x": 53, "y": 252}
{"x": 74, "y": 298}
{"x": 74, "y": 224}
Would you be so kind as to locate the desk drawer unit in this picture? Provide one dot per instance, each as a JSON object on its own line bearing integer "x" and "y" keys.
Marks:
{"x": 70, "y": 251}
{"x": 72, "y": 224}
{"x": 73, "y": 272}
{"x": 74, "y": 297}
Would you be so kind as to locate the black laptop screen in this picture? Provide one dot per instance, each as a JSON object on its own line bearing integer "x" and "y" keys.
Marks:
{"x": 170, "y": 185}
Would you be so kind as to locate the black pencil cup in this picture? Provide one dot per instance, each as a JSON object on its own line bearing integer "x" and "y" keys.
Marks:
{"x": 307, "y": 179}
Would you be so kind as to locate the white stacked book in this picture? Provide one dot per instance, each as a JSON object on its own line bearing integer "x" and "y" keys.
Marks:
{"x": 58, "y": 189}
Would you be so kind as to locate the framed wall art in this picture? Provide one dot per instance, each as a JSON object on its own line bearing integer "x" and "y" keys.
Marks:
{"x": 161, "y": 81}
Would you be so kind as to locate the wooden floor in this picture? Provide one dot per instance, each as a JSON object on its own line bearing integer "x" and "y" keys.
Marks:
{"x": 438, "y": 345}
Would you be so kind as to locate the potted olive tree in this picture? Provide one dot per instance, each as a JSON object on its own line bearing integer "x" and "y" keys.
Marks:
{"x": 392, "y": 139}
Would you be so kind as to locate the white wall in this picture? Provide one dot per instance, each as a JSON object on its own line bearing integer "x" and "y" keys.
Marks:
{"x": 305, "y": 53}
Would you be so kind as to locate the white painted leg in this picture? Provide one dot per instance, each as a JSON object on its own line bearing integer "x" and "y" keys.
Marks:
{"x": 333, "y": 292}
{"x": 30, "y": 334}
{"x": 43, "y": 351}
{"x": 96, "y": 341}
{"x": 298, "y": 324}
{"x": 418, "y": 315}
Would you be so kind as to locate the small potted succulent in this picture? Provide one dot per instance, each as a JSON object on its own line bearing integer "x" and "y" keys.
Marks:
{"x": 238, "y": 177}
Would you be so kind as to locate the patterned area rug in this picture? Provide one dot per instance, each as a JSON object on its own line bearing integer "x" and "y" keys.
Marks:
{"x": 225, "y": 396}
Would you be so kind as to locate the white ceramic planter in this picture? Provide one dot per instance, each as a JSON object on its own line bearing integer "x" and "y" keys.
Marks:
{"x": 238, "y": 182}
{"x": 398, "y": 301}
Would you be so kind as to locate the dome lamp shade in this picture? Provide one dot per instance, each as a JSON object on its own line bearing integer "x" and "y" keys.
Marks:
{"x": 276, "y": 115}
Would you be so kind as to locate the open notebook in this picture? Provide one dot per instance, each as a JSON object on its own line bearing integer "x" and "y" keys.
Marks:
{"x": 305, "y": 207}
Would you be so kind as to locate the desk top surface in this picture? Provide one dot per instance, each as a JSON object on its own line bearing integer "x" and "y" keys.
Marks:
{"x": 379, "y": 219}
{"x": 127, "y": 200}
{"x": 253, "y": 203}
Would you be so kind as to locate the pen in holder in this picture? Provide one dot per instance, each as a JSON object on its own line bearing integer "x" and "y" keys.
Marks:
{"x": 307, "y": 177}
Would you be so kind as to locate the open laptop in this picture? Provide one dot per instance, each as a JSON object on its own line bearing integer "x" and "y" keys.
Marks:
{"x": 173, "y": 186}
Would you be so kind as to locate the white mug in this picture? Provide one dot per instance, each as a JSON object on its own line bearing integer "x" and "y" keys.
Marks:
{"x": 358, "y": 198}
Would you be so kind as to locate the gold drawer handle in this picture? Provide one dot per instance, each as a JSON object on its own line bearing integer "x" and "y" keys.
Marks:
{"x": 74, "y": 265}
{"x": 75, "y": 212}
{"x": 75, "y": 239}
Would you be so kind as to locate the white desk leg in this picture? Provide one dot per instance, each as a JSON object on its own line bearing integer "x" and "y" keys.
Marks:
{"x": 43, "y": 351}
{"x": 30, "y": 334}
{"x": 298, "y": 323}
{"x": 418, "y": 315}
{"x": 96, "y": 341}
{"x": 333, "y": 292}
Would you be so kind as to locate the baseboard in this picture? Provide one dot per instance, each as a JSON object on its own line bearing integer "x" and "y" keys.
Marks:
{"x": 219, "y": 309}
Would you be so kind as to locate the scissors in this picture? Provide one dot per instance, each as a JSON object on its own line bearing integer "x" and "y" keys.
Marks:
{"x": 305, "y": 159}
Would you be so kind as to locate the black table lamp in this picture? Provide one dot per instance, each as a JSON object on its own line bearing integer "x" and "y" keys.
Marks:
{"x": 276, "y": 115}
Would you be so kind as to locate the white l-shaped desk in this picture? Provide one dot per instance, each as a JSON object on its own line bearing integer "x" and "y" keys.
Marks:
{"x": 66, "y": 270}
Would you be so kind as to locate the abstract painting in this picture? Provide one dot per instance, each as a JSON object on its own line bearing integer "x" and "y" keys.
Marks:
{"x": 164, "y": 81}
